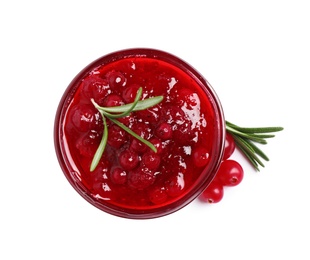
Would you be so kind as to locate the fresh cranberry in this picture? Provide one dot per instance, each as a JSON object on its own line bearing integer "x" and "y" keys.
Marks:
{"x": 158, "y": 195}
{"x": 94, "y": 87}
{"x": 159, "y": 145}
{"x": 112, "y": 100}
{"x": 129, "y": 94}
{"x": 128, "y": 159}
{"x": 116, "y": 136}
{"x": 230, "y": 173}
{"x": 138, "y": 146}
{"x": 175, "y": 185}
{"x": 141, "y": 178}
{"x": 151, "y": 160}
{"x": 87, "y": 144}
{"x": 85, "y": 117}
{"x": 181, "y": 126}
{"x": 213, "y": 193}
{"x": 230, "y": 146}
{"x": 143, "y": 131}
{"x": 118, "y": 175}
{"x": 201, "y": 156}
{"x": 164, "y": 131}
{"x": 116, "y": 79}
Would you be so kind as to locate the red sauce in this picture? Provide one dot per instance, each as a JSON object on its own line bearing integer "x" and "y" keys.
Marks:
{"x": 182, "y": 127}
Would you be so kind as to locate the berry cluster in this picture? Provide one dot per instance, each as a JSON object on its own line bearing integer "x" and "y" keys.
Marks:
{"x": 230, "y": 174}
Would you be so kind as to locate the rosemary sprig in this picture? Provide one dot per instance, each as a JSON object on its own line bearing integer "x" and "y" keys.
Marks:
{"x": 141, "y": 105}
{"x": 246, "y": 137}
{"x": 112, "y": 113}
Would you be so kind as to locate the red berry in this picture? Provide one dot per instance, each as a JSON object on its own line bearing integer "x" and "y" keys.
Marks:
{"x": 201, "y": 156}
{"x": 158, "y": 195}
{"x": 229, "y": 146}
{"x": 112, "y": 100}
{"x": 183, "y": 133}
{"x": 84, "y": 117}
{"x": 180, "y": 124}
{"x": 151, "y": 160}
{"x": 130, "y": 93}
{"x": 175, "y": 185}
{"x": 160, "y": 147}
{"x": 116, "y": 136}
{"x": 230, "y": 173}
{"x": 87, "y": 144}
{"x": 128, "y": 159}
{"x": 116, "y": 79}
{"x": 213, "y": 193}
{"x": 118, "y": 175}
{"x": 141, "y": 178}
{"x": 138, "y": 146}
{"x": 143, "y": 131}
{"x": 94, "y": 87}
{"x": 164, "y": 131}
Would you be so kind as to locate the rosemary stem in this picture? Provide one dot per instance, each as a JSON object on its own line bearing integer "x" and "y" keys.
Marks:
{"x": 245, "y": 137}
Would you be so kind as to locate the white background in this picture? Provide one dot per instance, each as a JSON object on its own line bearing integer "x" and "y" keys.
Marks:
{"x": 255, "y": 54}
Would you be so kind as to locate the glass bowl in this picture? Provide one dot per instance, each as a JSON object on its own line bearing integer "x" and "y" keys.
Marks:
{"x": 187, "y": 128}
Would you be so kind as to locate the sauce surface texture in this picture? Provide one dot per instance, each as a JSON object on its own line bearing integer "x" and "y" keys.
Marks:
{"x": 129, "y": 174}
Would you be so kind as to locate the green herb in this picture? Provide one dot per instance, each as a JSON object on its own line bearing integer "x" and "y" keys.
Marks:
{"x": 245, "y": 137}
{"x": 101, "y": 146}
{"x": 112, "y": 113}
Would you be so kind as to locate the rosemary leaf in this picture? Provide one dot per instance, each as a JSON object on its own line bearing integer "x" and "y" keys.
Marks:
{"x": 244, "y": 142}
{"x": 245, "y": 135}
{"x": 126, "y": 112}
{"x": 253, "y": 130}
{"x": 264, "y": 135}
{"x": 245, "y": 146}
{"x": 141, "y": 105}
{"x": 247, "y": 155}
{"x": 259, "y": 151}
{"x": 101, "y": 146}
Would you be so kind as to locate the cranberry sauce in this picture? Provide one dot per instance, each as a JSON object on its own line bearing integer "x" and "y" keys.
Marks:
{"x": 182, "y": 127}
